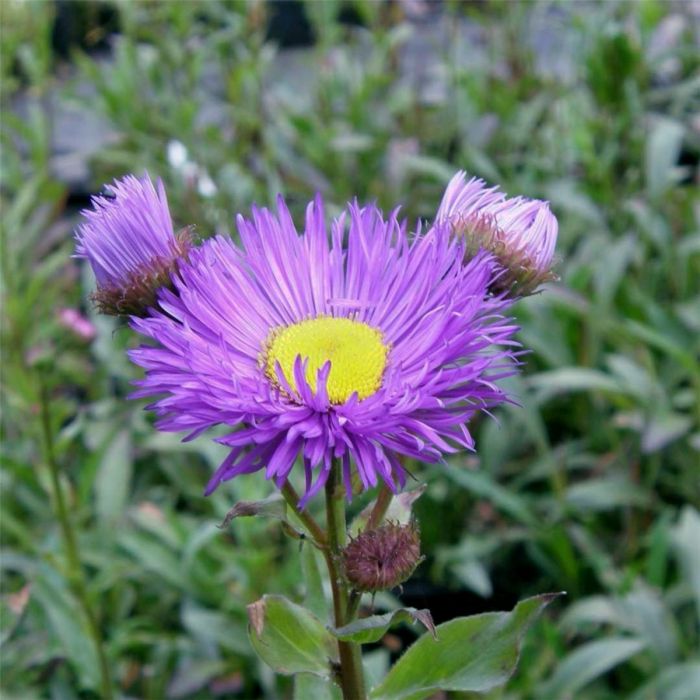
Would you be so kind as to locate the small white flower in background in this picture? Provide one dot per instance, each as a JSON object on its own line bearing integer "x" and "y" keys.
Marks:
{"x": 177, "y": 154}
{"x": 194, "y": 175}
{"x": 205, "y": 185}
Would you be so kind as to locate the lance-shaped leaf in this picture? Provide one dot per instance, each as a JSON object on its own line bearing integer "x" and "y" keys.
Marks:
{"x": 290, "y": 639}
{"x": 471, "y": 654}
{"x": 372, "y": 629}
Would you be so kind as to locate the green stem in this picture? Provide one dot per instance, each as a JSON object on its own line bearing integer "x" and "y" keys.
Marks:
{"x": 76, "y": 575}
{"x": 351, "y": 677}
{"x": 292, "y": 497}
{"x": 381, "y": 506}
{"x": 353, "y": 605}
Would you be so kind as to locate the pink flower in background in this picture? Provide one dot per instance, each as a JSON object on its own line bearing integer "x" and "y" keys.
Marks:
{"x": 74, "y": 321}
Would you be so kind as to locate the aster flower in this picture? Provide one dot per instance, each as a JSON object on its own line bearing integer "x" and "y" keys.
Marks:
{"x": 520, "y": 232}
{"x": 129, "y": 241}
{"x": 359, "y": 349}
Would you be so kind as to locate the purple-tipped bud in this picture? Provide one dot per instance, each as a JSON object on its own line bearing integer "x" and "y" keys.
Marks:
{"x": 521, "y": 233}
{"x": 129, "y": 241}
{"x": 380, "y": 559}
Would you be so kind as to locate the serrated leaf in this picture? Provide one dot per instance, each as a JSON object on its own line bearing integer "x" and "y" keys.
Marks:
{"x": 471, "y": 654}
{"x": 289, "y": 638}
{"x": 373, "y": 628}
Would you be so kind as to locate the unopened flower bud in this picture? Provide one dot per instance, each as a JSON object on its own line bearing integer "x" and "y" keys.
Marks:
{"x": 520, "y": 233}
{"x": 129, "y": 241}
{"x": 382, "y": 558}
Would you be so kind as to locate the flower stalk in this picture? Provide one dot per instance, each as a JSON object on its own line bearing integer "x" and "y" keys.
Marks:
{"x": 292, "y": 498}
{"x": 381, "y": 505}
{"x": 75, "y": 574}
{"x": 351, "y": 675}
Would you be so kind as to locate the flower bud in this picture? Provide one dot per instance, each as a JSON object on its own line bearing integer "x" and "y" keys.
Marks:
{"x": 382, "y": 558}
{"x": 129, "y": 241}
{"x": 520, "y": 233}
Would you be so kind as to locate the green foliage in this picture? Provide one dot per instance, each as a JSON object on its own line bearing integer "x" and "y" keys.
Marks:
{"x": 374, "y": 627}
{"x": 472, "y": 654}
{"x": 290, "y": 638}
{"x": 591, "y": 485}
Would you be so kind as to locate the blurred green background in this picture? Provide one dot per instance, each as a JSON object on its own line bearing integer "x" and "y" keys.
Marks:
{"x": 591, "y": 486}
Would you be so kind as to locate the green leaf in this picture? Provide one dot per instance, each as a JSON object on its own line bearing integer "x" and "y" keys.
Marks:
{"x": 193, "y": 677}
{"x": 308, "y": 686}
{"x": 68, "y": 624}
{"x": 588, "y": 662}
{"x": 113, "y": 478}
{"x": 212, "y": 626}
{"x": 289, "y": 638}
{"x": 12, "y": 607}
{"x": 606, "y": 493}
{"x": 571, "y": 379}
{"x": 483, "y": 485}
{"x": 425, "y": 165}
{"x": 372, "y": 629}
{"x": 662, "y": 149}
{"x": 685, "y": 537}
{"x": 664, "y": 429}
{"x": 474, "y": 654}
{"x": 641, "y": 613}
{"x": 475, "y": 576}
{"x": 154, "y": 558}
{"x": 678, "y": 682}
{"x": 314, "y": 599}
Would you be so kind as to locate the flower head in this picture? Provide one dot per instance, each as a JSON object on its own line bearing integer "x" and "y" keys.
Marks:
{"x": 129, "y": 241}
{"x": 359, "y": 348}
{"x": 520, "y": 232}
{"x": 383, "y": 558}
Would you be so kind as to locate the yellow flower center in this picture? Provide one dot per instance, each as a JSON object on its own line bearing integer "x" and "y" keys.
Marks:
{"x": 356, "y": 351}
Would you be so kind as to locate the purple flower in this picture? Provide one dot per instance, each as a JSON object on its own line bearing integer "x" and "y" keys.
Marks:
{"x": 520, "y": 232}
{"x": 129, "y": 241}
{"x": 360, "y": 348}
